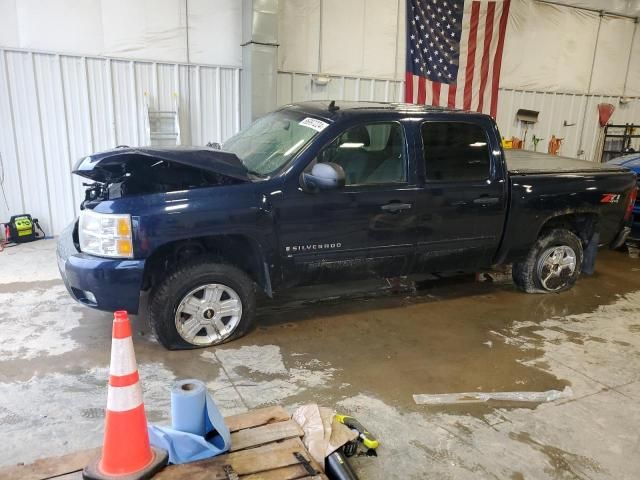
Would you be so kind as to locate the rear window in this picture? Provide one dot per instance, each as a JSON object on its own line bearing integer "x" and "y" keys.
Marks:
{"x": 455, "y": 151}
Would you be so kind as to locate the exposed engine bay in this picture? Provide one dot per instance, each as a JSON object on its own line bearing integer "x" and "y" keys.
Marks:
{"x": 142, "y": 174}
{"x": 126, "y": 171}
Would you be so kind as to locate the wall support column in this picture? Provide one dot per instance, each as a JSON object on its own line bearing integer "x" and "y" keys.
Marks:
{"x": 259, "y": 58}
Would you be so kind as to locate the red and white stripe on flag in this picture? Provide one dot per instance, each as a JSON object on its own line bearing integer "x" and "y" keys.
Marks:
{"x": 484, "y": 25}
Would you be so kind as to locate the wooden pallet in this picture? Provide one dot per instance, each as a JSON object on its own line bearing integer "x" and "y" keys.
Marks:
{"x": 264, "y": 445}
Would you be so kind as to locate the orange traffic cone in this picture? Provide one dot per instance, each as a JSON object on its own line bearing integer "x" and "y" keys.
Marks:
{"x": 126, "y": 453}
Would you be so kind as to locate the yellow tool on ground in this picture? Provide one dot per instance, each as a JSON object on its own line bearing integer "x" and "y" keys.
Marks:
{"x": 22, "y": 228}
{"x": 367, "y": 439}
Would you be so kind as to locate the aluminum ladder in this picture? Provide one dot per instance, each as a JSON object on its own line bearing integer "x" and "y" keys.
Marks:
{"x": 163, "y": 126}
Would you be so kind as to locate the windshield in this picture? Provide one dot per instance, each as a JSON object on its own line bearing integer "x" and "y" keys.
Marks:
{"x": 271, "y": 141}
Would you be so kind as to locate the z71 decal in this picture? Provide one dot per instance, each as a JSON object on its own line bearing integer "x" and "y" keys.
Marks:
{"x": 610, "y": 198}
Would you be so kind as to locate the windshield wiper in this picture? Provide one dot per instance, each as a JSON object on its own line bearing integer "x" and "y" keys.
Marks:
{"x": 257, "y": 174}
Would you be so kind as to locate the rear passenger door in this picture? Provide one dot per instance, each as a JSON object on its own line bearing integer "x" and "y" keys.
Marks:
{"x": 461, "y": 204}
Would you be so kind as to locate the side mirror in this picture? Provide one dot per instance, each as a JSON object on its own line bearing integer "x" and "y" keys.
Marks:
{"x": 323, "y": 176}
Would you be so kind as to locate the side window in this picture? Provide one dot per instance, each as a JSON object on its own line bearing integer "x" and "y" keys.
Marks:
{"x": 455, "y": 151}
{"x": 369, "y": 154}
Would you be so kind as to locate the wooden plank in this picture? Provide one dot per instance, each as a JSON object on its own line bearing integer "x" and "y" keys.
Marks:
{"x": 253, "y": 437}
{"x": 244, "y": 462}
{"x": 268, "y": 459}
{"x": 292, "y": 472}
{"x": 260, "y": 428}
{"x": 256, "y": 418}
{"x": 50, "y": 467}
{"x": 308, "y": 456}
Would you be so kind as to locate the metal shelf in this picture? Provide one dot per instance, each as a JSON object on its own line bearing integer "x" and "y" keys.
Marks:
{"x": 617, "y": 139}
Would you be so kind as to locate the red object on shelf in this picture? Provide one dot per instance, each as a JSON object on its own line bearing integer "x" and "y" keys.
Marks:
{"x": 605, "y": 110}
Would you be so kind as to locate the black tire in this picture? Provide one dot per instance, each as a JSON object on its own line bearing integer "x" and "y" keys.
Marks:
{"x": 167, "y": 295}
{"x": 527, "y": 273}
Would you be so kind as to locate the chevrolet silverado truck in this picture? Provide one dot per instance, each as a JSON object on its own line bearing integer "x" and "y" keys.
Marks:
{"x": 320, "y": 192}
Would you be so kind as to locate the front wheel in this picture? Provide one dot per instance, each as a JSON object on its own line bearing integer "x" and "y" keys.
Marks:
{"x": 552, "y": 265}
{"x": 201, "y": 304}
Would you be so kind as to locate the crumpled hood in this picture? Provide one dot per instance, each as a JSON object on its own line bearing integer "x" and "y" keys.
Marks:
{"x": 105, "y": 166}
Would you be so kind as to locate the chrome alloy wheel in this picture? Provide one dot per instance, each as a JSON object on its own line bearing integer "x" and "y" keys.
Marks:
{"x": 208, "y": 314}
{"x": 556, "y": 266}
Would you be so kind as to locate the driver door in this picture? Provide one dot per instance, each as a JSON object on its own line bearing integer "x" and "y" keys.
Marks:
{"x": 366, "y": 227}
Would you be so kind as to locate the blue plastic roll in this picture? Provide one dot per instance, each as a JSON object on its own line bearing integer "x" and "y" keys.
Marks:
{"x": 197, "y": 427}
{"x": 188, "y": 406}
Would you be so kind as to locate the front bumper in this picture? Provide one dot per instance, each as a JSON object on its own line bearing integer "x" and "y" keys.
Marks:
{"x": 102, "y": 283}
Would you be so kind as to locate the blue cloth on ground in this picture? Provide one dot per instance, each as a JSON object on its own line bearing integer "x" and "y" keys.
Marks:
{"x": 197, "y": 428}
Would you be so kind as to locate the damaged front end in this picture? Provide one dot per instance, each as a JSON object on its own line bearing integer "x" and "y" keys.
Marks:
{"x": 126, "y": 172}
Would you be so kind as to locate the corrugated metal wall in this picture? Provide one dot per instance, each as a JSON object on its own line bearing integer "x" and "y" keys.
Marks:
{"x": 299, "y": 87}
{"x": 55, "y": 109}
{"x": 562, "y": 115}
{"x": 555, "y": 108}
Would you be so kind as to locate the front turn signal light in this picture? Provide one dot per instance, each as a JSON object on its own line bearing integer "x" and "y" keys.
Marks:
{"x": 124, "y": 247}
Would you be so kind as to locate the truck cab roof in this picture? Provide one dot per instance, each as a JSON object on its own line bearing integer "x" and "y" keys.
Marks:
{"x": 350, "y": 109}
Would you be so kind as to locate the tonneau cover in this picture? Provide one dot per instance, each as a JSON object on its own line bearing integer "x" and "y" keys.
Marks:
{"x": 526, "y": 162}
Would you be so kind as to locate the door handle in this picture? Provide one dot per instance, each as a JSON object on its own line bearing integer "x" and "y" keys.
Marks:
{"x": 486, "y": 200}
{"x": 396, "y": 207}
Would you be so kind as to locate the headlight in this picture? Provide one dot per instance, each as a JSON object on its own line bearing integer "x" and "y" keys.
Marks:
{"x": 105, "y": 234}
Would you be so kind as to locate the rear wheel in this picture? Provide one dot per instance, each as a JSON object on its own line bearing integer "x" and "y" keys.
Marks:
{"x": 201, "y": 304}
{"x": 552, "y": 265}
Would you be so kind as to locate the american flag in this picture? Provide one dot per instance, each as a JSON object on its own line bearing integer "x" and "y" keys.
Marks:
{"x": 454, "y": 52}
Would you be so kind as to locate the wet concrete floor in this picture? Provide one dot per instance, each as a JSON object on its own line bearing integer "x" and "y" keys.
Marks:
{"x": 363, "y": 350}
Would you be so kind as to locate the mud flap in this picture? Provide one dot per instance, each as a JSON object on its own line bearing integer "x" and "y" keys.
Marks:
{"x": 589, "y": 259}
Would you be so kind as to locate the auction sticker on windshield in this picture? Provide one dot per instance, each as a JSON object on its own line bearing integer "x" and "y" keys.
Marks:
{"x": 317, "y": 125}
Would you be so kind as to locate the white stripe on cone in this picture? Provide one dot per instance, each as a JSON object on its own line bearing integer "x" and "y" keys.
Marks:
{"x": 123, "y": 359}
{"x": 122, "y": 399}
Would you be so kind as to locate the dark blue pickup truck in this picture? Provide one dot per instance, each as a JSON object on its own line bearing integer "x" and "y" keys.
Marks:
{"x": 320, "y": 192}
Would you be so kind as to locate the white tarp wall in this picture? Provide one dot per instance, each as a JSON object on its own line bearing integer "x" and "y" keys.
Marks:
{"x": 58, "y": 107}
{"x": 357, "y": 43}
{"x": 135, "y": 29}
{"x": 547, "y": 63}
{"x": 550, "y": 48}
{"x": 357, "y": 38}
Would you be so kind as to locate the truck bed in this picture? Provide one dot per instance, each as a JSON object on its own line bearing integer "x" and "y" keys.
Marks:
{"x": 525, "y": 162}
{"x": 547, "y": 186}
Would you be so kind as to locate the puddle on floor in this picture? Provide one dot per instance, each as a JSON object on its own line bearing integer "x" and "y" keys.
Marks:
{"x": 449, "y": 335}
